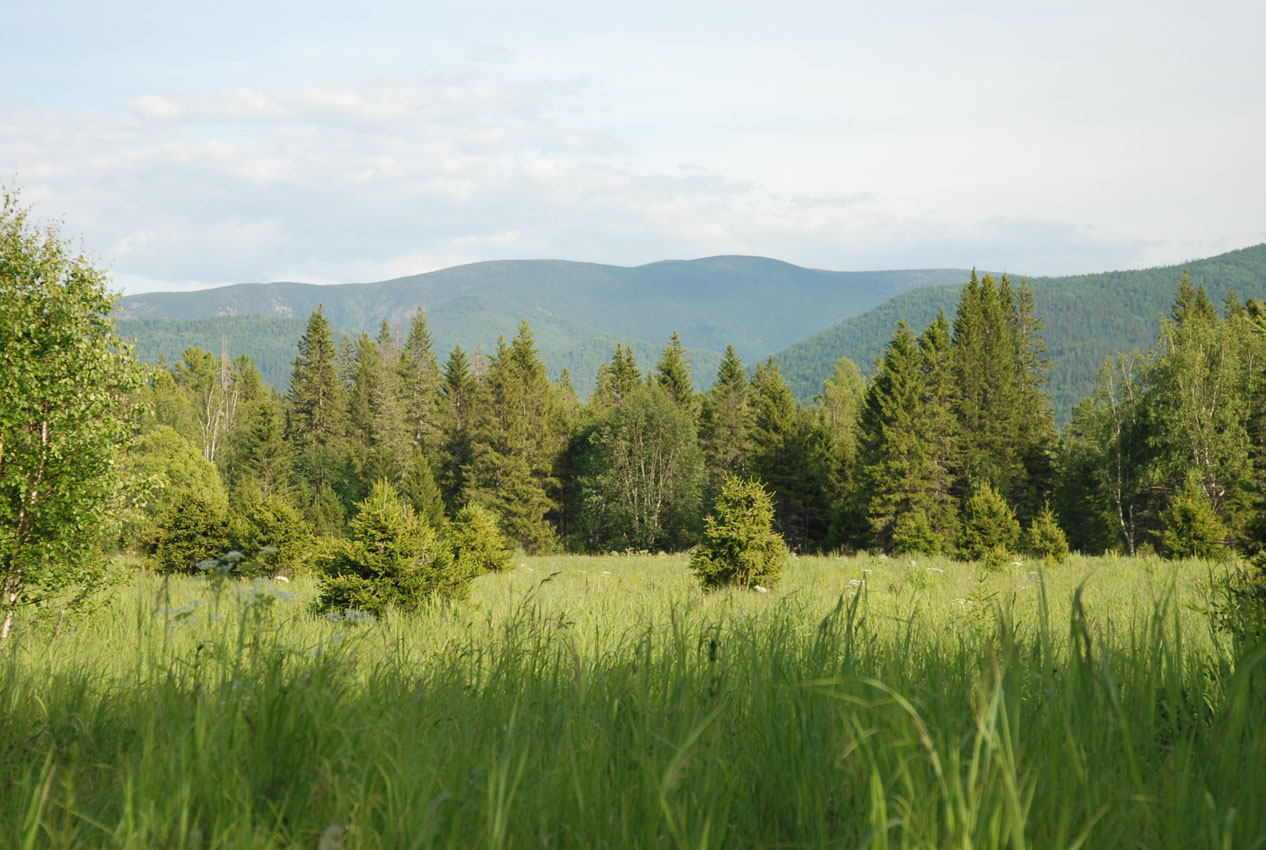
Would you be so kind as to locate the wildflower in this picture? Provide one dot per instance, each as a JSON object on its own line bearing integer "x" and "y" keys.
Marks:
{"x": 935, "y": 570}
{"x": 760, "y": 589}
{"x": 281, "y": 578}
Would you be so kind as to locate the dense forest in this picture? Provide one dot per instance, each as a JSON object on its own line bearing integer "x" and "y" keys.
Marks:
{"x": 950, "y": 447}
{"x": 1087, "y": 318}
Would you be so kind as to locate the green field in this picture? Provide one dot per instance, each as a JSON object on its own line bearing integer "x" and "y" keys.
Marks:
{"x": 607, "y": 702}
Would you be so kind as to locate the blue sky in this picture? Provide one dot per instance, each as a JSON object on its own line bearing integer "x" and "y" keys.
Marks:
{"x": 192, "y": 145}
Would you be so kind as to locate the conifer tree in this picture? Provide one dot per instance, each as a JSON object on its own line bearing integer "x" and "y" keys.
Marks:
{"x": 421, "y": 492}
{"x": 315, "y": 406}
{"x": 259, "y": 456}
{"x": 515, "y": 447}
{"x": 459, "y": 394}
{"x": 377, "y": 429}
{"x": 726, "y": 422}
{"x": 420, "y": 387}
{"x": 841, "y": 402}
{"x": 617, "y": 379}
{"x": 672, "y": 373}
{"x": 791, "y": 455}
{"x": 902, "y": 442}
{"x": 984, "y": 350}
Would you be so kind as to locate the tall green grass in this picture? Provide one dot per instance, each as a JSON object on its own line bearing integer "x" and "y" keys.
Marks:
{"x": 590, "y": 702}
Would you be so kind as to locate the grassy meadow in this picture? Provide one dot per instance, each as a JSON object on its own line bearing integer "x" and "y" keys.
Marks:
{"x": 608, "y": 702}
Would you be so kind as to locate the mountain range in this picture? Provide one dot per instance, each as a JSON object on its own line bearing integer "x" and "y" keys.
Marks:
{"x": 577, "y": 311}
{"x": 805, "y": 318}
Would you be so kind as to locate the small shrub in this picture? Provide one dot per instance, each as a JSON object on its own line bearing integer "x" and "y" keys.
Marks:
{"x": 478, "y": 543}
{"x": 989, "y": 526}
{"x": 392, "y": 560}
{"x": 192, "y": 529}
{"x": 1046, "y": 539}
{"x": 913, "y": 534}
{"x": 740, "y": 546}
{"x": 1192, "y": 528}
{"x": 274, "y": 528}
{"x": 1241, "y": 610}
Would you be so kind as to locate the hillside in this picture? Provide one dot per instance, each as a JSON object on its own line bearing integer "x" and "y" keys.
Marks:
{"x": 578, "y": 311}
{"x": 1087, "y": 318}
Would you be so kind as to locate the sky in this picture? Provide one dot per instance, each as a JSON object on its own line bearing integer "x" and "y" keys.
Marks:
{"x": 192, "y": 145}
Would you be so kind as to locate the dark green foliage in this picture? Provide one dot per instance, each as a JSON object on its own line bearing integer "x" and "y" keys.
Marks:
{"x": 63, "y": 424}
{"x": 740, "y": 546}
{"x": 419, "y": 391}
{"x": 642, "y": 480}
{"x": 380, "y": 444}
{"x": 273, "y": 530}
{"x": 391, "y": 560}
{"x": 904, "y": 436}
{"x": 316, "y": 416}
{"x": 327, "y": 488}
{"x": 478, "y": 544}
{"x": 516, "y": 444}
{"x": 1192, "y": 527}
{"x": 617, "y": 379}
{"x": 192, "y": 529}
{"x": 460, "y": 396}
{"x": 726, "y": 422}
{"x": 1045, "y": 539}
{"x": 791, "y": 454}
{"x": 258, "y": 456}
{"x": 989, "y": 529}
{"x": 672, "y": 374}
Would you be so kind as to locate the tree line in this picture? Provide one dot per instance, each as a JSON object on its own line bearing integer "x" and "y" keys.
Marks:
{"x": 955, "y": 419}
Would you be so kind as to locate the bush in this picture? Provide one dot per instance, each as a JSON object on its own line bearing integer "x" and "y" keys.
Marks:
{"x": 274, "y": 527}
{"x": 1192, "y": 529}
{"x": 477, "y": 542}
{"x": 740, "y": 546}
{"x": 192, "y": 529}
{"x": 1046, "y": 539}
{"x": 393, "y": 560}
{"x": 989, "y": 527}
{"x": 913, "y": 534}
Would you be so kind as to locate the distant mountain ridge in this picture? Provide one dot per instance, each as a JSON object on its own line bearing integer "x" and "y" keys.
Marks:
{"x": 577, "y": 311}
{"x": 1087, "y": 318}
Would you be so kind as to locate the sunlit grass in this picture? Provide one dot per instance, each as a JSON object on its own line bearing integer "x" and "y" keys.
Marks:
{"x": 608, "y": 702}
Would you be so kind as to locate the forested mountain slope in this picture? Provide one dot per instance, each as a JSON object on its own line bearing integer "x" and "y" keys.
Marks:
{"x": 577, "y": 310}
{"x": 1087, "y": 318}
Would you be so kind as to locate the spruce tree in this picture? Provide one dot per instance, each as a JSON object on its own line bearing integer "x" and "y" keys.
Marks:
{"x": 419, "y": 376}
{"x": 672, "y": 374}
{"x": 515, "y": 445}
{"x": 902, "y": 443}
{"x": 460, "y": 392}
{"x": 791, "y": 455}
{"x": 377, "y": 427}
{"x": 315, "y": 403}
{"x": 726, "y": 422}
{"x": 617, "y": 379}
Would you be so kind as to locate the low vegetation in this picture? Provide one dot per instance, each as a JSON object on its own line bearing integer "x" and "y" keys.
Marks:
{"x": 611, "y": 701}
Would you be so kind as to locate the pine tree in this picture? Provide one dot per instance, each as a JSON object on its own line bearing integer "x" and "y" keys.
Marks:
{"x": 315, "y": 403}
{"x": 672, "y": 373}
{"x": 726, "y": 422}
{"x": 1192, "y": 527}
{"x": 260, "y": 458}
